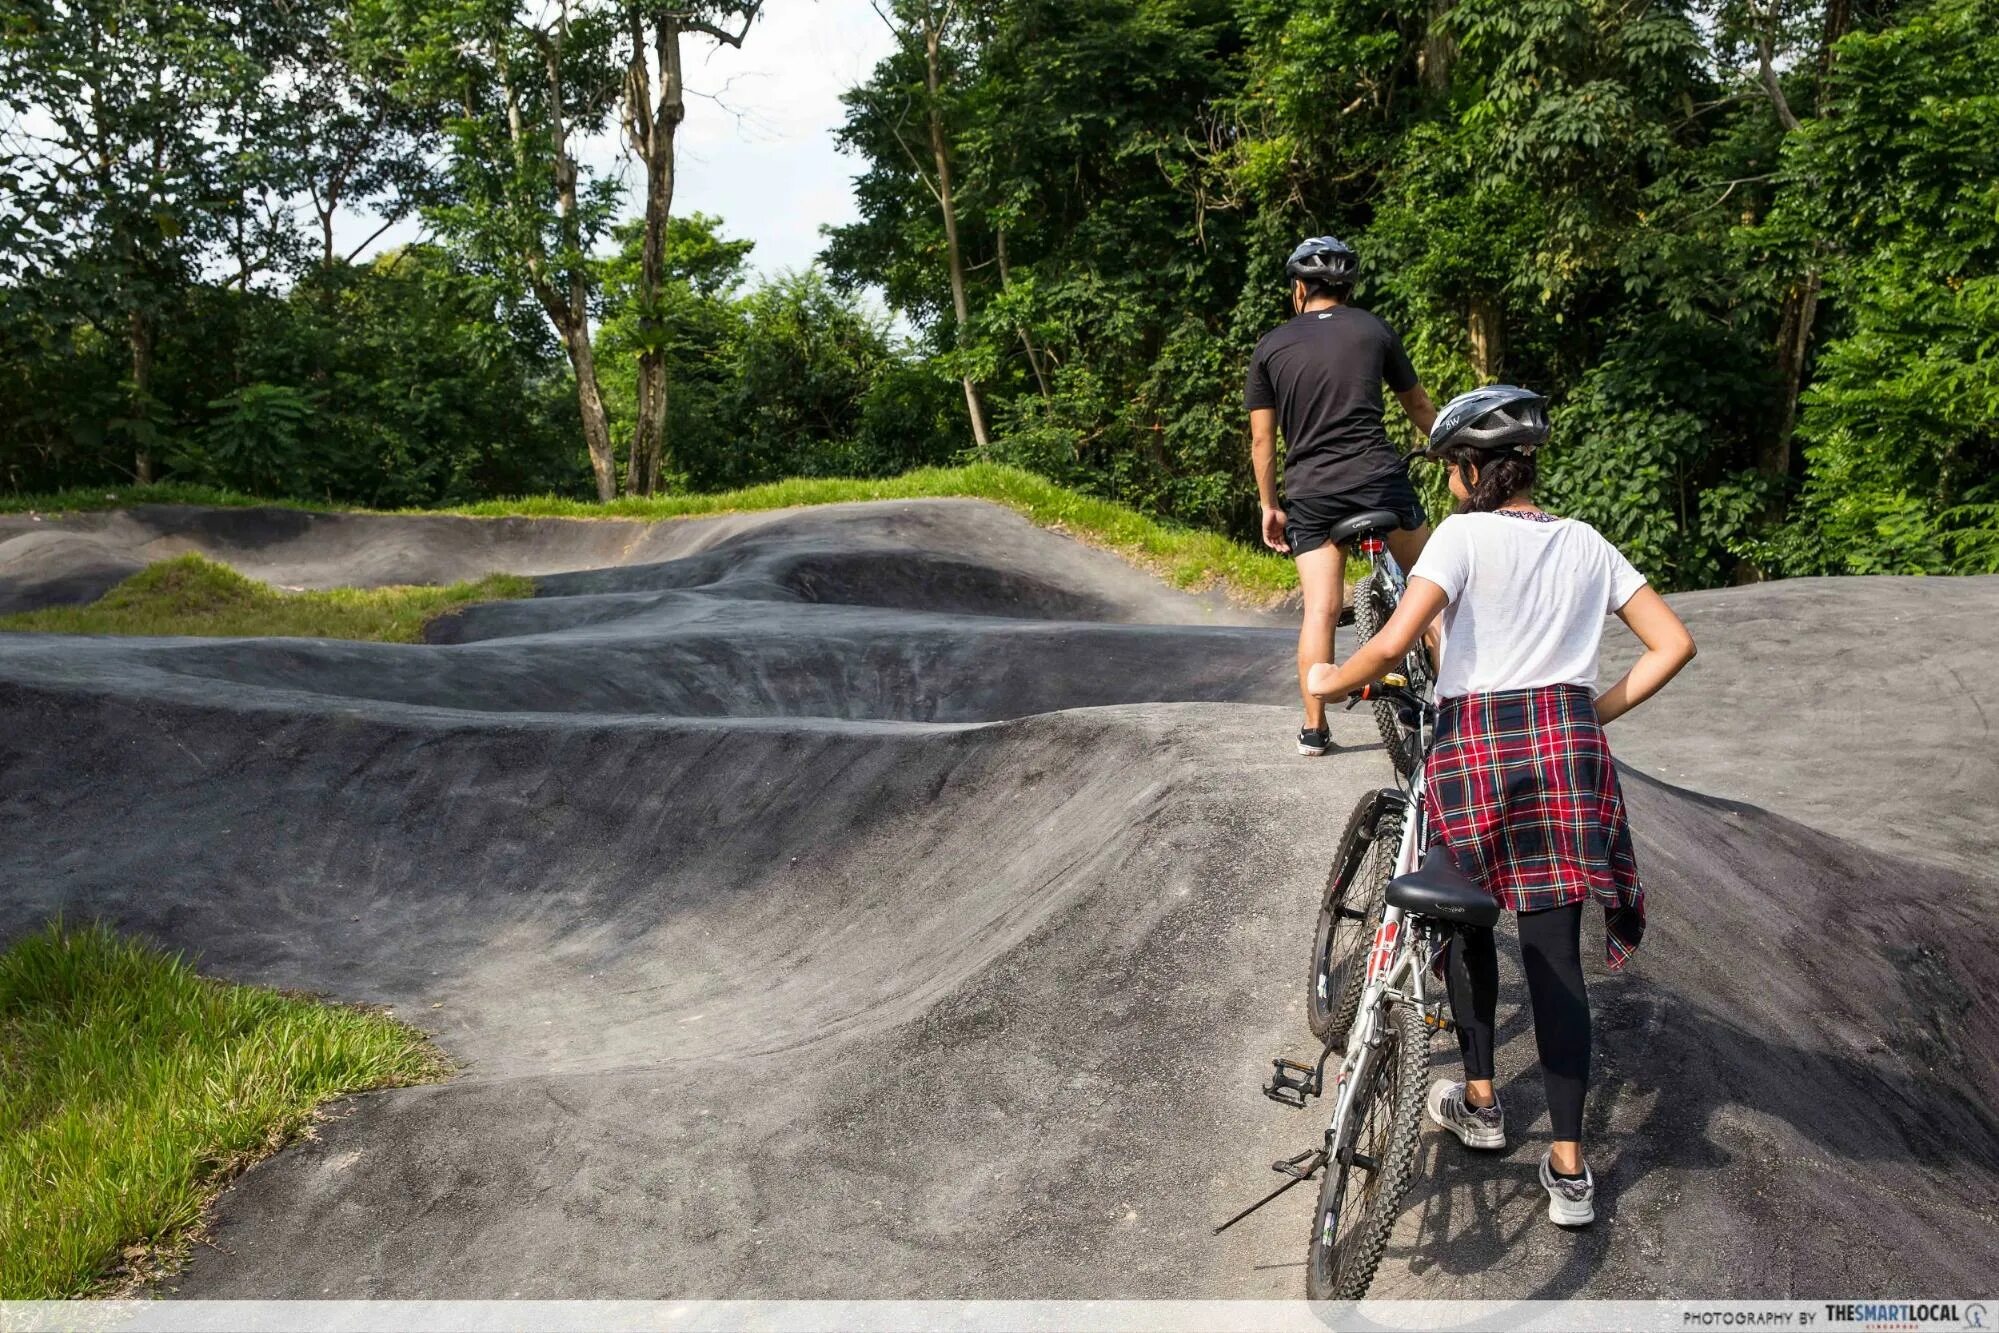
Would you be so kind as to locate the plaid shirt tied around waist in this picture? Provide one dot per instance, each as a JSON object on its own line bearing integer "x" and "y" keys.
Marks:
{"x": 1521, "y": 789}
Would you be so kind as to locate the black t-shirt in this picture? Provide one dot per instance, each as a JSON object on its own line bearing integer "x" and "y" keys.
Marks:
{"x": 1323, "y": 371}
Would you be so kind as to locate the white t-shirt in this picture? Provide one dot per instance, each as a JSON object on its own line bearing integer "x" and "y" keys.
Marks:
{"x": 1527, "y": 600}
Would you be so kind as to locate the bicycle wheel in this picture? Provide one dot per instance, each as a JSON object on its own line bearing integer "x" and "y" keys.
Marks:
{"x": 1348, "y": 916}
{"x": 1366, "y": 1182}
{"x": 1374, "y": 603}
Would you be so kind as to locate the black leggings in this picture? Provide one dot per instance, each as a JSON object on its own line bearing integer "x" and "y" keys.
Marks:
{"x": 1551, "y": 953}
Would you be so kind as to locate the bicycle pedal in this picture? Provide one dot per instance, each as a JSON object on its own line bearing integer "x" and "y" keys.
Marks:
{"x": 1302, "y": 1167}
{"x": 1291, "y": 1084}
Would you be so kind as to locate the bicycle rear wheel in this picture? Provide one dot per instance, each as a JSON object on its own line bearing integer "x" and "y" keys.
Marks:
{"x": 1348, "y": 916}
{"x": 1368, "y": 1178}
{"x": 1374, "y": 603}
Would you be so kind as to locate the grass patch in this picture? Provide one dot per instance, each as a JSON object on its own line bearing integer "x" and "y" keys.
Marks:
{"x": 132, "y": 1089}
{"x": 1185, "y": 557}
{"x": 193, "y": 596}
{"x": 78, "y": 499}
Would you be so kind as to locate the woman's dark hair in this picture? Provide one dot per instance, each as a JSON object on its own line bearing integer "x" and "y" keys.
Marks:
{"x": 1502, "y": 475}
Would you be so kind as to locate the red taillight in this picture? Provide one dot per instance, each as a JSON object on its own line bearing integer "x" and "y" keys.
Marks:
{"x": 1371, "y": 547}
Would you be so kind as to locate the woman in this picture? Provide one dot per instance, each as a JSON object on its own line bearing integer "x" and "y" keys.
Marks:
{"x": 1519, "y": 785}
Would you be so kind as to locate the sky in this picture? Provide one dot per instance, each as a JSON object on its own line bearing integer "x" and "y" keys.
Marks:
{"x": 757, "y": 146}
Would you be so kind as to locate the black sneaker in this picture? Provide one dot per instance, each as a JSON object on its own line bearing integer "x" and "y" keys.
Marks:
{"x": 1314, "y": 743}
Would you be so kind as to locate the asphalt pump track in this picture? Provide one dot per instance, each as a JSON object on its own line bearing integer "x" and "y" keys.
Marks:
{"x": 897, "y": 899}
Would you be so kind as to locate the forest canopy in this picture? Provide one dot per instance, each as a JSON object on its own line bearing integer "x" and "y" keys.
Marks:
{"x": 1750, "y": 251}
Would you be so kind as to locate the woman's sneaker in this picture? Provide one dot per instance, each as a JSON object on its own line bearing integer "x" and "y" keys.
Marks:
{"x": 1481, "y": 1127}
{"x": 1571, "y": 1203}
{"x": 1314, "y": 743}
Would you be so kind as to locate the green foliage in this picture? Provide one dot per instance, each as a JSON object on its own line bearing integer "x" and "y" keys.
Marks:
{"x": 1747, "y": 250}
{"x": 131, "y": 1089}
{"x": 189, "y": 595}
{"x": 1601, "y": 201}
{"x": 406, "y": 381}
{"x": 1902, "y": 421}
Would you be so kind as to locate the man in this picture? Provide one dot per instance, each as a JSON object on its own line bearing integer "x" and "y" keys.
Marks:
{"x": 1318, "y": 376}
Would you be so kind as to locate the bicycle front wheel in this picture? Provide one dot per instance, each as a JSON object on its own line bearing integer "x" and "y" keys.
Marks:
{"x": 1348, "y": 915}
{"x": 1367, "y": 1179}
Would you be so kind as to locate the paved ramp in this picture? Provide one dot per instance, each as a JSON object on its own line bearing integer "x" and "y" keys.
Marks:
{"x": 898, "y": 900}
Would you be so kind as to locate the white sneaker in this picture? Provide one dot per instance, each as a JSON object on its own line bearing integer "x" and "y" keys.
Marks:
{"x": 1482, "y": 1127}
{"x": 1571, "y": 1203}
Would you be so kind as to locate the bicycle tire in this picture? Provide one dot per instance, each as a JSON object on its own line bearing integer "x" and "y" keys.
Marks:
{"x": 1373, "y": 604}
{"x": 1346, "y": 1246}
{"x": 1337, "y": 970}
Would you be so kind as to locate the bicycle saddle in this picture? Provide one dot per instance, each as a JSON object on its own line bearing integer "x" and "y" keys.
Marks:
{"x": 1373, "y": 520}
{"x": 1439, "y": 890}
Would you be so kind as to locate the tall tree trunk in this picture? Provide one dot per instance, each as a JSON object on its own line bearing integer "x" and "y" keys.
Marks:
{"x": 1799, "y": 310}
{"x": 590, "y": 402}
{"x": 568, "y": 307}
{"x": 139, "y": 331}
{"x": 961, "y": 307}
{"x": 1488, "y": 338}
{"x": 1439, "y": 48}
{"x": 650, "y": 128}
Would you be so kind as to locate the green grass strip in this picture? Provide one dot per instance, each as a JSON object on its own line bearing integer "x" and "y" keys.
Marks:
{"x": 194, "y": 596}
{"x": 131, "y": 1089}
{"x": 1185, "y": 557}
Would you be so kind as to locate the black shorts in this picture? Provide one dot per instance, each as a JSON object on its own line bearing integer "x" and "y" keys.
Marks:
{"x": 1309, "y": 518}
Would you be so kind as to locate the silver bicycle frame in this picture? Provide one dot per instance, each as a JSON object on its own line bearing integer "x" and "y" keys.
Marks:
{"x": 1396, "y": 972}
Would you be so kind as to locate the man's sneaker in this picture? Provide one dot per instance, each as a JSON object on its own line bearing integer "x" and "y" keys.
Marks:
{"x": 1571, "y": 1203}
{"x": 1482, "y": 1127}
{"x": 1314, "y": 743}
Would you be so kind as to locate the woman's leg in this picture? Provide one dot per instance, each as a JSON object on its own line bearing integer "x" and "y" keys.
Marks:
{"x": 1551, "y": 953}
{"x": 1474, "y": 987}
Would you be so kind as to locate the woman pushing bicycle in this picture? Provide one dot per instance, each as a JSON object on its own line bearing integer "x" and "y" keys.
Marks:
{"x": 1519, "y": 785}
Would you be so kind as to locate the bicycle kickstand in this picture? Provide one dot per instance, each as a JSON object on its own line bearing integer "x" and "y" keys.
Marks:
{"x": 1300, "y": 1169}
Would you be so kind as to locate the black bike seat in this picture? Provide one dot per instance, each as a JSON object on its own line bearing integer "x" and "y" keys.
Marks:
{"x": 1439, "y": 890}
{"x": 1360, "y": 525}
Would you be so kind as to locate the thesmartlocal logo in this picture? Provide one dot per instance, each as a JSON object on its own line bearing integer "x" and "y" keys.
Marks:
{"x": 1912, "y": 1315}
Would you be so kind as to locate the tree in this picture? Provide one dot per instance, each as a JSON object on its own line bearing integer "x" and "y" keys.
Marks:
{"x": 356, "y": 142}
{"x": 123, "y": 153}
{"x": 926, "y": 27}
{"x": 1893, "y": 185}
{"x": 514, "y": 92}
{"x": 655, "y": 104}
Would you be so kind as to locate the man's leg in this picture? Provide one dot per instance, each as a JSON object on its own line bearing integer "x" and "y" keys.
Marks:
{"x": 1405, "y": 544}
{"x": 1321, "y": 579}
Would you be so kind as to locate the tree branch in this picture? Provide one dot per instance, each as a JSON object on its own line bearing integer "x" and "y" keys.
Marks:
{"x": 735, "y": 39}
{"x": 1765, "y": 44}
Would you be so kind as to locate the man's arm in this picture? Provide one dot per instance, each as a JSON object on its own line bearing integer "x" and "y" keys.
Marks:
{"x": 1422, "y": 412}
{"x": 1263, "y": 454}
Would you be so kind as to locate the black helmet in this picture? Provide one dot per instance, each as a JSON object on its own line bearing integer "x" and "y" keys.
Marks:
{"x": 1323, "y": 261}
{"x": 1499, "y": 416}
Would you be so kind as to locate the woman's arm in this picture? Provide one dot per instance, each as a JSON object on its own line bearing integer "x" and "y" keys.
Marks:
{"x": 1668, "y": 647}
{"x": 1421, "y": 601}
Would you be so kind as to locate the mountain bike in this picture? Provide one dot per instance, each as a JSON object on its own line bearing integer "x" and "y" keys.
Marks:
{"x": 1374, "y": 601}
{"x": 1368, "y": 1153}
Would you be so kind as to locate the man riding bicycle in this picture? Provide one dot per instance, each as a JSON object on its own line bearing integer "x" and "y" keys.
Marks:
{"x": 1318, "y": 377}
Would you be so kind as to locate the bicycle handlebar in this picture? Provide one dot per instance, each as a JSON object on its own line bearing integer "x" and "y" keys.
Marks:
{"x": 1393, "y": 687}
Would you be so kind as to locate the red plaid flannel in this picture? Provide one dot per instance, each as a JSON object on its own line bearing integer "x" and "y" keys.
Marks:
{"x": 1522, "y": 790}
